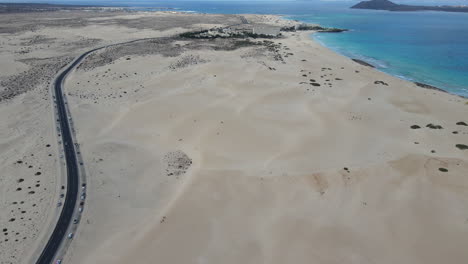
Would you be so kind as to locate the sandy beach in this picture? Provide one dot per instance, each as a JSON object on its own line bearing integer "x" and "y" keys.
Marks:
{"x": 224, "y": 150}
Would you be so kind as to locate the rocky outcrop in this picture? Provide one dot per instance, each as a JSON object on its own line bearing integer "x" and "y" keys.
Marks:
{"x": 305, "y": 27}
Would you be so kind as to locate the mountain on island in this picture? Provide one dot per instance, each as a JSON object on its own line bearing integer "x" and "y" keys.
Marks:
{"x": 390, "y": 6}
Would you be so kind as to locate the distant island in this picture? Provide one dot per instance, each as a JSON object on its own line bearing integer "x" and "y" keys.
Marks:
{"x": 390, "y": 6}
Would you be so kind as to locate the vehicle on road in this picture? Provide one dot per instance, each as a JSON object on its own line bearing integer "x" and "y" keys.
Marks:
{"x": 59, "y": 204}
{"x": 70, "y": 161}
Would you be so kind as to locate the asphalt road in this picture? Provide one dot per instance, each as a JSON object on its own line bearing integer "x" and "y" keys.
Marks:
{"x": 64, "y": 221}
{"x": 73, "y": 174}
{"x": 59, "y": 233}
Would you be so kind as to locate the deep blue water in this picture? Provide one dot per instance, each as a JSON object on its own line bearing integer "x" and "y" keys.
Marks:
{"x": 429, "y": 47}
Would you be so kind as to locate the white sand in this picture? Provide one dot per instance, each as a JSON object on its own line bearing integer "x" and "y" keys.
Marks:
{"x": 267, "y": 182}
{"x": 27, "y": 123}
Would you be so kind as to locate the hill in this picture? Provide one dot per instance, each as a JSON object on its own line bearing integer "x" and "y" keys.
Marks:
{"x": 390, "y": 6}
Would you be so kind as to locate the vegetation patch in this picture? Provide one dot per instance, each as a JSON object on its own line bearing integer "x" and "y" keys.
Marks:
{"x": 224, "y": 33}
{"x": 186, "y": 61}
{"x": 177, "y": 163}
{"x": 461, "y": 146}
{"x": 432, "y": 126}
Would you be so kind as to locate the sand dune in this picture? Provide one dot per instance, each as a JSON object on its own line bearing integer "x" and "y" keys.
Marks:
{"x": 204, "y": 153}
{"x": 268, "y": 181}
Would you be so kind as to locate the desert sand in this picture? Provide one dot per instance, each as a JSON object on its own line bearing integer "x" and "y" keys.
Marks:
{"x": 205, "y": 151}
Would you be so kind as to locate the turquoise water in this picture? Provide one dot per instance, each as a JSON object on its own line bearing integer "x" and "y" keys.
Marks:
{"x": 428, "y": 47}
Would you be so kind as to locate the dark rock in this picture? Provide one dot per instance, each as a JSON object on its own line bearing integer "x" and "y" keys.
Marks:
{"x": 381, "y": 82}
{"x": 363, "y": 63}
{"x": 304, "y": 27}
{"x": 427, "y": 86}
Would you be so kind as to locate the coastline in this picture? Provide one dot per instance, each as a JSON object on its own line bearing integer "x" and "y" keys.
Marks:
{"x": 369, "y": 64}
{"x": 400, "y": 60}
{"x": 239, "y": 151}
{"x": 268, "y": 151}
{"x": 422, "y": 85}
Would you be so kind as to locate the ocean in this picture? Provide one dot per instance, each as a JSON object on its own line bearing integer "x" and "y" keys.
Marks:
{"x": 427, "y": 47}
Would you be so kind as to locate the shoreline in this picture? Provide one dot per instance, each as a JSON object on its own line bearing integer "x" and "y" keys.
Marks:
{"x": 368, "y": 64}
{"x": 363, "y": 62}
{"x": 249, "y": 133}
{"x": 420, "y": 84}
{"x": 151, "y": 9}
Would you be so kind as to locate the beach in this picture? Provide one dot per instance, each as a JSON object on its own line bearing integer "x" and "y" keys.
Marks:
{"x": 224, "y": 150}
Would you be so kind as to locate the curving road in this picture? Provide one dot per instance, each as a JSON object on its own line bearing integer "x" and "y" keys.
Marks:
{"x": 73, "y": 173}
{"x": 60, "y": 230}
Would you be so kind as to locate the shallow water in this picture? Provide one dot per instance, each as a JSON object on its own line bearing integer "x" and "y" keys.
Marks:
{"x": 428, "y": 47}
